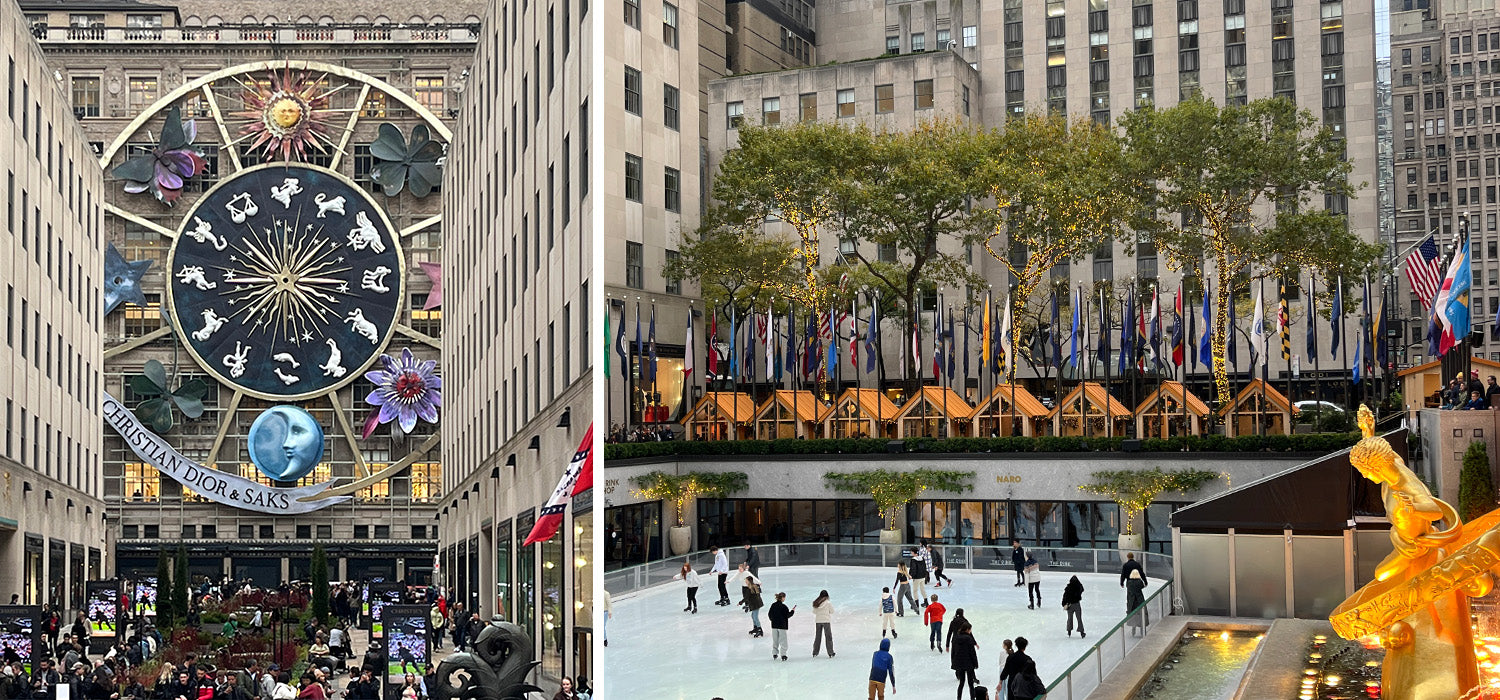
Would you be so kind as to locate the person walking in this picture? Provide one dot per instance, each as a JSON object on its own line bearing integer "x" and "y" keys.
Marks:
{"x": 609, "y": 611}
{"x": 1135, "y": 597}
{"x": 1006, "y": 649}
{"x": 903, "y": 591}
{"x": 932, "y": 616}
{"x": 780, "y": 615}
{"x": 1033, "y": 583}
{"x": 752, "y": 559}
{"x": 919, "y": 573}
{"x": 721, "y": 569}
{"x": 1130, "y": 565}
{"x": 958, "y": 621}
{"x": 1072, "y": 601}
{"x": 750, "y": 598}
{"x": 1018, "y": 560}
{"x": 882, "y": 665}
{"x": 887, "y": 613}
{"x": 1020, "y": 673}
{"x": 964, "y": 657}
{"x": 935, "y": 556}
{"x": 690, "y": 577}
{"x": 436, "y": 621}
{"x": 822, "y": 622}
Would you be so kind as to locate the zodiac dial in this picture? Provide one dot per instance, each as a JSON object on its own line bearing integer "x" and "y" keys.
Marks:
{"x": 287, "y": 281}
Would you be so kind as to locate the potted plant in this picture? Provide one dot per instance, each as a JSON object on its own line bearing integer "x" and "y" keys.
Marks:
{"x": 678, "y": 488}
{"x": 893, "y": 490}
{"x": 1134, "y": 490}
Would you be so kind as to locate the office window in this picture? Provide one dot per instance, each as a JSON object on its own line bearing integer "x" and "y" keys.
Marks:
{"x": 846, "y": 102}
{"x": 971, "y": 36}
{"x": 966, "y": 100}
{"x": 141, "y": 93}
{"x": 893, "y": 44}
{"x": 85, "y": 97}
{"x": 632, "y": 13}
{"x": 673, "y": 286}
{"x": 634, "y": 258}
{"x": 669, "y": 24}
{"x": 923, "y": 92}
{"x": 632, "y": 90}
{"x": 734, "y": 114}
{"x": 807, "y": 106}
{"x": 885, "y": 99}
{"x": 633, "y": 177}
{"x": 918, "y": 42}
{"x": 673, "y": 186}
{"x": 671, "y": 100}
{"x": 770, "y": 110}
{"x": 430, "y": 93}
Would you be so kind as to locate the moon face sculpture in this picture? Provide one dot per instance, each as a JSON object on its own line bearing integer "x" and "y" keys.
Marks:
{"x": 285, "y": 443}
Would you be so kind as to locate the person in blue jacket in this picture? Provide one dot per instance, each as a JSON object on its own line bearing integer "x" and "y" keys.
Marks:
{"x": 882, "y": 665}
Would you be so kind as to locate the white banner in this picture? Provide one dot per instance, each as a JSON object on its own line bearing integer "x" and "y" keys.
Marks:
{"x": 215, "y": 485}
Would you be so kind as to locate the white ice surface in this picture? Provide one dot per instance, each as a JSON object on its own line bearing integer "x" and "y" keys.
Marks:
{"x": 659, "y": 652}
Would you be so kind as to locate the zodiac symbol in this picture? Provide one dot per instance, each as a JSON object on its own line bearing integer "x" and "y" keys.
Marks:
{"x": 363, "y": 327}
{"x": 205, "y": 232}
{"x": 241, "y": 207}
{"x": 193, "y": 274}
{"x": 286, "y": 357}
{"x": 236, "y": 360}
{"x": 211, "y": 323}
{"x": 366, "y": 235}
{"x": 287, "y": 379}
{"x": 375, "y": 279}
{"x": 325, "y": 206}
{"x": 332, "y": 365}
{"x": 284, "y": 193}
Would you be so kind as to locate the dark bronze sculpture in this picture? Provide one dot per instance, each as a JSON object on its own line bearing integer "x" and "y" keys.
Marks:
{"x": 495, "y": 669}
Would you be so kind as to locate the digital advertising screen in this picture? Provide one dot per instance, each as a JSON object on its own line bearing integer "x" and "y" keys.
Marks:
{"x": 406, "y": 649}
{"x": 104, "y": 611}
{"x": 144, "y": 597}
{"x": 21, "y": 634}
{"x": 381, "y": 595}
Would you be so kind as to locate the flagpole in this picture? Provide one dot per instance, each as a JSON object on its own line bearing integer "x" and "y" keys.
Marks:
{"x": 734, "y": 371}
{"x": 609, "y": 404}
{"x": 1312, "y": 318}
{"x": 1344, "y": 348}
{"x": 1109, "y": 417}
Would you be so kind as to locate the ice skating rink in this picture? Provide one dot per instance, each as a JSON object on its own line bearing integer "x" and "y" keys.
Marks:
{"x": 658, "y": 651}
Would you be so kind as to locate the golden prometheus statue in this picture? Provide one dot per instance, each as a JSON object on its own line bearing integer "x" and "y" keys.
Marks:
{"x": 1418, "y": 604}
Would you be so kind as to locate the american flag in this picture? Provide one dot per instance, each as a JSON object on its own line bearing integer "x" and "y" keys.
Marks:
{"x": 1424, "y": 271}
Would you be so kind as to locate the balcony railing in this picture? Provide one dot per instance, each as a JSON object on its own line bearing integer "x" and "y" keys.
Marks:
{"x": 445, "y": 33}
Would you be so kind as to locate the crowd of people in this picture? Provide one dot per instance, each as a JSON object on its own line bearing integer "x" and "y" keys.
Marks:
{"x": 660, "y": 432}
{"x": 1467, "y": 394}
{"x": 1018, "y": 679}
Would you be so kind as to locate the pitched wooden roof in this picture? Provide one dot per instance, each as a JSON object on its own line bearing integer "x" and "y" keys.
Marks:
{"x": 873, "y": 403}
{"x": 736, "y": 406}
{"x": 939, "y": 397}
{"x": 1096, "y": 395}
{"x": 1257, "y": 386}
{"x": 802, "y": 402}
{"x": 1178, "y": 391}
{"x": 1425, "y": 366}
{"x": 1025, "y": 403}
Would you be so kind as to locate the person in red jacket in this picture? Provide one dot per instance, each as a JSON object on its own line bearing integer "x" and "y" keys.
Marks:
{"x": 932, "y": 616}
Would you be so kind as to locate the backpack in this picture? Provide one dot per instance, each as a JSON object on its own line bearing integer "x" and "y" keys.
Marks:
{"x": 979, "y": 692}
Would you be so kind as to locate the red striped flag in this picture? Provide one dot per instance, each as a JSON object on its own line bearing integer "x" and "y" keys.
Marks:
{"x": 1424, "y": 270}
{"x": 577, "y": 478}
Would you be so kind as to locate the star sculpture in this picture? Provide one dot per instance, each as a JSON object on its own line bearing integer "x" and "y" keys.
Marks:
{"x": 122, "y": 279}
{"x": 434, "y": 272}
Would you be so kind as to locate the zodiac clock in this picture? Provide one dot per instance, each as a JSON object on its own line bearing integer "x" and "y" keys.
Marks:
{"x": 286, "y": 281}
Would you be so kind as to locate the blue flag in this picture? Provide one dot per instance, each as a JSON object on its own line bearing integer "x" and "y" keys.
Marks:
{"x": 948, "y": 340}
{"x": 790, "y": 363}
{"x": 1312, "y": 316}
{"x": 1232, "y": 343}
{"x": 620, "y": 341}
{"x": 750, "y": 346}
{"x": 1336, "y": 318}
{"x": 1359, "y": 356}
{"x": 871, "y": 331}
{"x": 640, "y": 346}
{"x": 833, "y": 345}
{"x": 1127, "y": 332}
{"x": 651, "y": 348}
{"x": 1077, "y": 324}
{"x": 1205, "y": 343}
{"x": 966, "y": 346}
{"x": 1053, "y": 334}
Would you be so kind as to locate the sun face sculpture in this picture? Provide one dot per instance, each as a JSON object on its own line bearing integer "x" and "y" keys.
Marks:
{"x": 288, "y": 118}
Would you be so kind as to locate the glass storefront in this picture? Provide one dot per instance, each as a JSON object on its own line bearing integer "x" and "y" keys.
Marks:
{"x": 57, "y": 578}
{"x": 659, "y": 400}
{"x": 583, "y": 591}
{"x": 76, "y": 589}
{"x": 632, "y": 534}
{"x": 526, "y": 576}
{"x": 35, "y": 571}
{"x": 553, "y": 625}
{"x": 503, "y": 580}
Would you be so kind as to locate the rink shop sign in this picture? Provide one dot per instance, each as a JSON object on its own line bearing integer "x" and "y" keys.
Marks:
{"x": 215, "y": 485}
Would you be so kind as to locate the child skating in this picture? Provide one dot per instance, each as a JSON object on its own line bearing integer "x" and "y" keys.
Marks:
{"x": 887, "y": 613}
{"x": 932, "y": 616}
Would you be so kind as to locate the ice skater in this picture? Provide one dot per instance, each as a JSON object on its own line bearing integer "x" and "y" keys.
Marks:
{"x": 780, "y": 616}
{"x": 935, "y": 555}
{"x": 964, "y": 657}
{"x": 1072, "y": 601}
{"x": 822, "y": 622}
{"x": 887, "y": 613}
{"x": 932, "y": 616}
{"x": 919, "y": 573}
{"x": 721, "y": 569}
{"x": 958, "y": 621}
{"x": 1033, "y": 583}
{"x": 1135, "y": 597}
{"x": 750, "y": 600}
{"x": 882, "y": 664}
{"x": 1018, "y": 560}
{"x": 903, "y": 591}
{"x": 1007, "y": 648}
{"x": 752, "y": 559}
{"x": 691, "y": 578}
{"x": 1020, "y": 672}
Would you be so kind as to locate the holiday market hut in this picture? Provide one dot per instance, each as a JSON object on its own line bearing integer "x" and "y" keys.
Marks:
{"x": 788, "y": 414}
{"x": 1010, "y": 410}
{"x": 1258, "y": 404}
{"x": 1422, "y": 385}
{"x": 1090, "y": 411}
{"x": 721, "y": 415}
{"x": 935, "y": 411}
{"x": 857, "y": 412}
{"x": 1170, "y": 411}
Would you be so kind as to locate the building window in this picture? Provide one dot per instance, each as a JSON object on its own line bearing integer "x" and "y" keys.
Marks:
{"x": 674, "y": 286}
{"x": 141, "y": 93}
{"x": 893, "y": 44}
{"x": 846, "y": 102}
{"x": 734, "y": 114}
{"x": 807, "y": 106}
{"x": 633, "y": 13}
{"x": 770, "y": 110}
{"x": 670, "y": 100}
{"x": 669, "y": 24}
{"x": 923, "y": 91}
{"x": 426, "y": 481}
{"x": 673, "y": 186}
{"x": 632, "y": 90}
{"x": 633, "y": 177}
{"x": 85, "y": 97}
{"x": 971, "y": 36}
{"x": 966, "y": 100}
{"x": 374, "y": 105}
{"x": 430, "y": 93}
{"x": 918, "y": 42}
{"x": 634, "y": 274}
{"x": 142, "y": 483}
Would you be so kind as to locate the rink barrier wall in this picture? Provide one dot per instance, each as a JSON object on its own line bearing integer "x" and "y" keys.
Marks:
{"x": 1085, "y": 675}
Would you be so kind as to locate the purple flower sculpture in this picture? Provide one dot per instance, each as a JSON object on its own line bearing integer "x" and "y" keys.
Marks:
{"x": 405, "y": 390}
{"x": 168, "y": 165}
